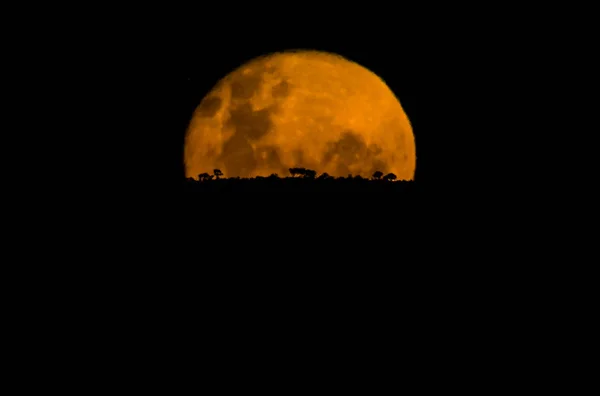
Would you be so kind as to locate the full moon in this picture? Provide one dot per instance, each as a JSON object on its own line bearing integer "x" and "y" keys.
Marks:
{"x": 308, "y": 109}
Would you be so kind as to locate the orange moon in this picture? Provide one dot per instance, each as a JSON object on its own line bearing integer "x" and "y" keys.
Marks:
{"x": 308, "y": 109}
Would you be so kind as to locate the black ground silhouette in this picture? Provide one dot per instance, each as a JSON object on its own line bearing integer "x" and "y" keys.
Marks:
{"x": 300, "y": 205}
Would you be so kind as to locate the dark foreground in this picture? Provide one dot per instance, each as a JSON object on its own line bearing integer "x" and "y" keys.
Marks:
{"x": 292, "y": 211}
{"x": 297, "y": 184}
{"x": 301, "y": 200}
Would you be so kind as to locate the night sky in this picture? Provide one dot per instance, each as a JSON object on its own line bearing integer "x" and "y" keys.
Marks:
{"x": 185, "y": 67}
{"x": 436, "y": 72}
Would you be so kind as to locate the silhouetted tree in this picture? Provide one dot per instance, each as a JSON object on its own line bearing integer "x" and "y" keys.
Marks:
{"x": 309, "y": 174}
{"x": 203, "y": 176}
{"x": 273, "y": 176}
{"x": 377, "y": 175}
{"x": 218, "y": 173}
{"x": 324, "y": 176}
{"x": 390, "y": 177}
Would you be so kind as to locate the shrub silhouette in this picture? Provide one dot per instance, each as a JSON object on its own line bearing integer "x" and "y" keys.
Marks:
{"x": 297, "y": 171}
{"x": 377, "y": 175}
{"x": 309, "y": 174}
{"x": 390, "y": 177}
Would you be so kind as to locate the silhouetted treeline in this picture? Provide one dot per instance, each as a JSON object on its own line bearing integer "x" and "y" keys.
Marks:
{"x": 299, "y": 179}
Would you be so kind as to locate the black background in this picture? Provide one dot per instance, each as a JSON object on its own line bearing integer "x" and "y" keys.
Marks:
{"x": 156, "y": 68}
{"x": 437, "y": 68}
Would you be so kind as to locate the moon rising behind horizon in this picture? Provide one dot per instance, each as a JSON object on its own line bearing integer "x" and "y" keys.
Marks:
{"x": 308, "y": 109}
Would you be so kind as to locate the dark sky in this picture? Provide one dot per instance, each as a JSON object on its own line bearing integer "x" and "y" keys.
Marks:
{"x": 182, "y": 61}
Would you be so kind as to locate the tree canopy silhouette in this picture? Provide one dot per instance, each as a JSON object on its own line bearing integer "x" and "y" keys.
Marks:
{"x": 309, "y": 181}
{"x": 296, "y": 171}
{"x": 390, "y": 177}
